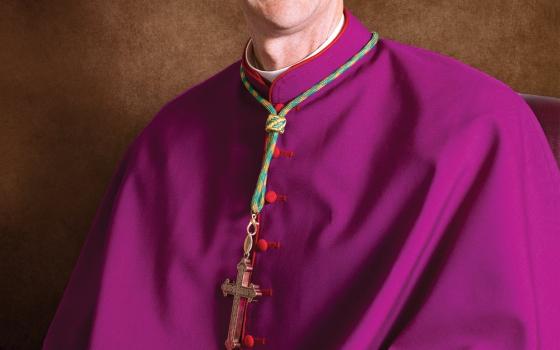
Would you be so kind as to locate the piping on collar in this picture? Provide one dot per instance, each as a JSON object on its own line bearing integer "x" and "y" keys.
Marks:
{"x": 304, "y": 74}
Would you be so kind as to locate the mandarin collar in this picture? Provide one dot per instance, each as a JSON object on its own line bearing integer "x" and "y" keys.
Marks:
{"x": 304, "y": 74}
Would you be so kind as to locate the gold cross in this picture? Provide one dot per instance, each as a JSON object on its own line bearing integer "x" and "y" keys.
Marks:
{"x": 243, "y": 293}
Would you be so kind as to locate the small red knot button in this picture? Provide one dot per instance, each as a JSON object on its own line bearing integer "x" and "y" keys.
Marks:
{"x": 276, "y": 152}
{"x": 263, "y": 245}
{"x": 280, "y": 152}
{"x": 250, "y": 341}
{"x": 278, "y": 107}
{"x": 270, "y": 196}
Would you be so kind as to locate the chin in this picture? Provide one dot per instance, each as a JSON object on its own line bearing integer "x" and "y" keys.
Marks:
{"x": 283, "y": 14}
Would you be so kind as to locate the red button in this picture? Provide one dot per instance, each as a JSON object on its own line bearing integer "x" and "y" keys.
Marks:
{"x": 248, "y": 341}
{"x": 276, "y": 152}
{"x": 270, "y": 196}
{"x": 263, "y": 245}
{"x": 278, "y": 107}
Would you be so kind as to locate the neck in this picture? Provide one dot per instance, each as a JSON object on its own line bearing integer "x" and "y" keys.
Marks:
{"x": 275, "y": 50}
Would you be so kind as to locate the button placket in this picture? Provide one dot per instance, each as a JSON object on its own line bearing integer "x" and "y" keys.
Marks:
{"x": 263, "y": 245}
{"x": 275, "y": 124}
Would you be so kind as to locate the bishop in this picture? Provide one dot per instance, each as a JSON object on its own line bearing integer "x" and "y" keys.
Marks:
{"x": 392, "y": 197}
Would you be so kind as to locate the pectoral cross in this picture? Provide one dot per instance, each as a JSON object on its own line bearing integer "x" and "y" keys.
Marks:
{"x": 243, "y": 293}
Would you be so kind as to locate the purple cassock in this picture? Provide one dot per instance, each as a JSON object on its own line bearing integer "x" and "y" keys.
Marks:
{"x": 415, "y": 201}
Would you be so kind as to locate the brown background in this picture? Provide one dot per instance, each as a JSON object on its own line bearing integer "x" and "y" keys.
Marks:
{"x": 79, "y": 79}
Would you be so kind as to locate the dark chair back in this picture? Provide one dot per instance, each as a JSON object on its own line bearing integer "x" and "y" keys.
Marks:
{"x": 547, "y": 111}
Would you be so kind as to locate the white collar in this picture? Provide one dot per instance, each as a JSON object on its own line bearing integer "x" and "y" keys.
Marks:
{"x": 269, "y": 75}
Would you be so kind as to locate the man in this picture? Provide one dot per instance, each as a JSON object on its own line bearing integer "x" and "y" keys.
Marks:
{"x": 331, "y": 190}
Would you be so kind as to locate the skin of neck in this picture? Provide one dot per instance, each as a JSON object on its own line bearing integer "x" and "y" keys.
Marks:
{"x": 284, "y": 32}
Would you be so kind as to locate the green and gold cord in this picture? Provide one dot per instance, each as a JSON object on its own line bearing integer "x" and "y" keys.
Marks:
{"x": 276, "y": 121}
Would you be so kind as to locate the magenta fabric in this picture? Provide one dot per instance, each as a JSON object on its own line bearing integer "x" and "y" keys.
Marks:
{"x": 422, "y": 211}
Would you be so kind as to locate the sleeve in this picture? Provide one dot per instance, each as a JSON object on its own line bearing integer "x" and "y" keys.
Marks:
{"x": 75, "y": 317}
{"x": 490, "y": 279}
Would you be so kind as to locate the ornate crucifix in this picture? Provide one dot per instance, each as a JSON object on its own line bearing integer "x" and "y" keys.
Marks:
{"x": 243, "y": 293}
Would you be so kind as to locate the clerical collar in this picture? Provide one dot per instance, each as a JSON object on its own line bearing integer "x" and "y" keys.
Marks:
{"x": 270, "y": 75}
{"x": 303, "y": 75}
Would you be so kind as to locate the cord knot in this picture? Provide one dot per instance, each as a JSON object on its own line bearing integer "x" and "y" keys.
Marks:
{"x": 275, "y": 123}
